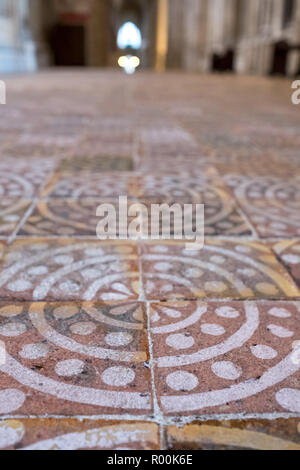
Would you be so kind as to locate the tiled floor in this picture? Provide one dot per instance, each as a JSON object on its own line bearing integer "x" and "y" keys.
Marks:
{"x": 129, "y": 345}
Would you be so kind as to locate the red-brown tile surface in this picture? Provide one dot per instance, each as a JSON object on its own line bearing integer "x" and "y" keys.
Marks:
{"x": 227, "y": 357}
{"x": 73, "y": 434}
{"x": 69, "y": 269}
{"x": 78, "y": 186}
{"x": 272, "y": 204}
{"x": 222, "y": 269}
{"x": 288, "y": 251}
{"x": 11, "y": 213}
{"x": 74, "y": 359}
{"x": 23, "y": 178}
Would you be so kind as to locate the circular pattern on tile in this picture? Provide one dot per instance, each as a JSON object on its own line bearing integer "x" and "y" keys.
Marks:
{"x": 38, "y": 270}
{"x": 118, "y": 376}
{"x": 83, "y": 328}
{"x": 226, "y": 370}
{"x": 66, "y": 311}
{"x": 182, "y": 381}
{"x": 280, "y": 331}
{"x": 180, "y": 341}
{"x": 227, "y": 312}
{"x": 11, "y": 399}
{"x": 118, "y": 339}
{"x": 289, "y": 399}
{"x": 279, "y": 312}
{"x": 291, "y": 259}
{"x": 35, "y": 351}
{"x": 69, "y": 367}
{"x": 263, "y": 352}
{"x": 12, "y": 329}
{"x": 11, "y": 311}
{"x": 20, "y": 285}
{"x": 212, "y": 329}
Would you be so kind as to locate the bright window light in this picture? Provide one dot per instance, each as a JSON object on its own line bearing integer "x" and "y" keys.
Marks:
{"x": 129, "y": 63}
{"x": 129, "y": 35}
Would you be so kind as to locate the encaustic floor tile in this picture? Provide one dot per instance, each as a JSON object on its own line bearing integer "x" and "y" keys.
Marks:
{"x": 72, "y": 434}
{"x": 74, "y": 358}
{"x": 68, "y": 269}
{"x": 11, "y": 213}
{"x": 227, "y": 357}
{"x": 289, "y": 253}
{"x": 252, "y": 434}
{"x": 222, "y": 269}
{"x": 272, "y": 204}
{"x": 26, "y": 179}
{"x": 75, "y": 186}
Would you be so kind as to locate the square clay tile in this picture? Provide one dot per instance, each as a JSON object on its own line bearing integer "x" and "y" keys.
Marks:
{"x": 74, "y": 434}
{"x": 288, "y": 252}
{"x": 12, "y": 212}
{"x": 227, "y": 357}
{"x": 74, "y": 359}
{"x": 221, "y": 215}
{"x": 69, "y": 269}
{"x": 22, "y": 179}
{"x": 272, "y": 204}
{"x": 252, "y": 434}
{"x": 75, "y": 186}
{"x": 96, "y": 164}
{"x": 224, "y": 269}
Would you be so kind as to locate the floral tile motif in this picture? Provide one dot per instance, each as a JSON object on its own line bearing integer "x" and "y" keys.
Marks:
{"x": 69, "y": 269}
{"x": 252, "y": 434}
{"x": 272, "y": 204}
{"x": 74, "y": 434}
{"x": 289, "y": 253}
{"x": 78, "y": 186}
{"x": 11, "y": 213}
{"x": 74, "y": 358}
{"x": 227, "y": 357}
{"x": 227, "y": 269}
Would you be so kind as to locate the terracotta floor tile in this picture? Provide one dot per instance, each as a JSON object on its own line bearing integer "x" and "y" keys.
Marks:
{"x": 74, "y": 358}
{"x": 272, "y": 204}
{"x": 279, "y": 434}
{"x": 78, "y": 186}
{"x": 96, "y": 164}
{"x": 73, "y": 434}
{"x": 69, "y": 269}
{"x": 21, "y": 179}
{"x": 11, "y": 213}
{"x": 289, "y": 253}
{"x": 222, "y": 269}
{"x": 62, "y": 217}
{"x": 227, "y": 357}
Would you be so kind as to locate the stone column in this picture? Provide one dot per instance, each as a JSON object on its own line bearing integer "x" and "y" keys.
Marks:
{"x": 161, "y": 46}
{"x": 98, "y": 34}
{"x": 175, "y": 29}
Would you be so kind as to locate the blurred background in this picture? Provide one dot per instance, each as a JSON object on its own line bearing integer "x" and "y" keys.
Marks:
{"x": 240, "y": 36}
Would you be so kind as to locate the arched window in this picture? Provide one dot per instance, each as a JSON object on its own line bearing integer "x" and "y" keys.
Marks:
{"x": 129, "y": 36}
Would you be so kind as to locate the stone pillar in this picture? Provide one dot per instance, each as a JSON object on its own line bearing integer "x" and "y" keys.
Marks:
{"x": 175, "y": 29}
{"x": 99, "y": 34}
{"x": 161, "y": 35}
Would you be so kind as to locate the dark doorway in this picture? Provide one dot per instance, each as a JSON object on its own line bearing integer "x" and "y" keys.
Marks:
{"x": 68, "y": 45}
{"x": 223, "y": 63}
{"x": 280, "y": 57}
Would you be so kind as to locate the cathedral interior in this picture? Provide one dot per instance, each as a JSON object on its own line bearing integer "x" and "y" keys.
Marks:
{"x": 122, "y": 343}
